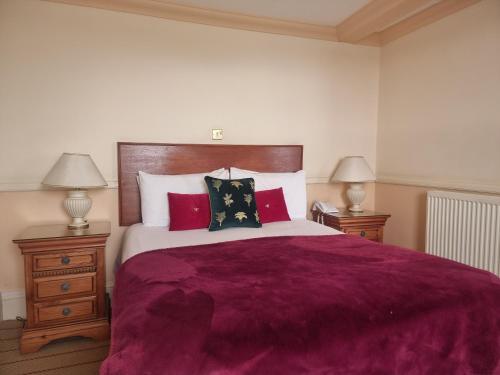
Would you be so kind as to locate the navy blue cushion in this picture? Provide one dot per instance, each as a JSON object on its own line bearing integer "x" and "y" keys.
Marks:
{"x": 232, "y": 203}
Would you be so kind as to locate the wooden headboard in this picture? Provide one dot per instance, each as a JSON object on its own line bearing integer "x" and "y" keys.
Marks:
{"x": 163, "y": 158}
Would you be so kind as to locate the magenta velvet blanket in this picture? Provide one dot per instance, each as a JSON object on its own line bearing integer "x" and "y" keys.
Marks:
{"x": 302, "y": 305}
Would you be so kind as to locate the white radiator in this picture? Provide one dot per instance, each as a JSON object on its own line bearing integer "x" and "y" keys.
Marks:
{"x": 464, "y": 228}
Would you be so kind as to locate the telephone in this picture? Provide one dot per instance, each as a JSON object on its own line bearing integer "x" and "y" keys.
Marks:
{"x": 324, "y": 207}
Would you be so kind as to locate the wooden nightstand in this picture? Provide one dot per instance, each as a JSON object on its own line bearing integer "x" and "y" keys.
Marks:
{"x": 367, "y": 224}
{"x": 64, "y": 280}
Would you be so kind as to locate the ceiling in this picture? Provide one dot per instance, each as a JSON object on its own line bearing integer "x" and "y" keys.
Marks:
{"x": 366, "y": 22}
{"x": 320, "y": 12}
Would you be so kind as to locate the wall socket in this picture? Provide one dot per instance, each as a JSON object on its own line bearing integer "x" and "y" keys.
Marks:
{"x": 217, "y": 134}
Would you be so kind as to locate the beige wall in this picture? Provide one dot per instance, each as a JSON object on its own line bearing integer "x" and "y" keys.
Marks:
{"x": 79, "y": 79}
{"x": 439, "y": 117}
{"x": 407, "y": 207}
{"x": 20, "y": 209}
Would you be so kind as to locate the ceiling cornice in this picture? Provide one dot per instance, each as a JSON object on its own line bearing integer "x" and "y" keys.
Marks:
{"x": 375, "y": 16}
{"x": 184, "y": 13}
{"x": 423, "y": 18}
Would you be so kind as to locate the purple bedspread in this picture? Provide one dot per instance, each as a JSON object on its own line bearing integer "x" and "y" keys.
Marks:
{"x": 302, "y": 305}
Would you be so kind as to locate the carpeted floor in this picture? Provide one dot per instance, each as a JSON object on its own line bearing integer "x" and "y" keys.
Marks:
{"x": 75, "y": 356}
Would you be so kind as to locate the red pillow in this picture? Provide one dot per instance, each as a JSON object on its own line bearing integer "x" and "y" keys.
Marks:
{"x": 188, "y": 211}
{"x": 271, "y": 206}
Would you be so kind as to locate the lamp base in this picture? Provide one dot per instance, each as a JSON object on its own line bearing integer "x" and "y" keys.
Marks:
{"x": 356, "y": 195}
{"x": 78, "y": 223}
{"x": 355, "y": 209}
{"x": 77, "y": 205}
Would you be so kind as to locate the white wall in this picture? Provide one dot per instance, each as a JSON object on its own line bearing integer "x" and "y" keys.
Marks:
{"x": 439, "y": 124}
{"x": 439, "y": 118}
{"x": 78, "y": 79}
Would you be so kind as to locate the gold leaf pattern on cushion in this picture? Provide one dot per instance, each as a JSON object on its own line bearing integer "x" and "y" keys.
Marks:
{"x": 227, "y": 199}
{"x": 240, "y": 215}
{"x": 217, "y": 184}
{"x": 256, "y": 214}
{"x": 220, "y": 217}
{"x": 236, "y": 184}
{"x": 252, "y": 185}
{"x": 247, "y": 198}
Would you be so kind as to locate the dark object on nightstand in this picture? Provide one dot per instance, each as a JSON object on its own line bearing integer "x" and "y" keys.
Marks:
{"x": 367, "y": 224}
{"x": 64, "y": 281}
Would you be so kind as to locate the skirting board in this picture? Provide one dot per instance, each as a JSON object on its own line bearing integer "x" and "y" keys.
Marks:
{"x": 13, "y": 303}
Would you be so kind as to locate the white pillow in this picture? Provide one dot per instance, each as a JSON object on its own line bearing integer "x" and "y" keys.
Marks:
{"x": 154, "y": 189}
{"x": 293, "y": 184}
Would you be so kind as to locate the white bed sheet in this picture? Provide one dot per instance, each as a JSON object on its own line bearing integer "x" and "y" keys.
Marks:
{"x": 139, "y": 238}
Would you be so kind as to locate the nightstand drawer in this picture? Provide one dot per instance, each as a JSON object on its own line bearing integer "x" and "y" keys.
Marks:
{"x": 63, "y": 286}
{"x": 368, "y": 233}
{"x": 64, "y": 260}
{"x": 65, "y": 311}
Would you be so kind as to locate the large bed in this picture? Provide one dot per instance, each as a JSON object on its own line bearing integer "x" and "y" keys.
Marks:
{"x": 291, "y": 297}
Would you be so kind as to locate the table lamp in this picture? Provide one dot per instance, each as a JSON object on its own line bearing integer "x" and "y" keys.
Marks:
{"x": 355, "y": 170}
{"x": 78, "y": 173}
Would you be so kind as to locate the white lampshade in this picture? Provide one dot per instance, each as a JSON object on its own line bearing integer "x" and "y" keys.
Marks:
{"x": 75, "y": 171}
{"x": 353, "y": 169}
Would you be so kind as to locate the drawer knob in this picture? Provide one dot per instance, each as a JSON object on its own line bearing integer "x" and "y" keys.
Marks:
{"x": 66, "y": 311}
{"x": 65, "y": 260}
{"x": 363, "y": 233}
{"x": 65, "y": 286}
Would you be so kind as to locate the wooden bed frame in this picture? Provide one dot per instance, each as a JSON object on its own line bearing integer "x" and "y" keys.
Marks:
{"x": 164, "y": 158}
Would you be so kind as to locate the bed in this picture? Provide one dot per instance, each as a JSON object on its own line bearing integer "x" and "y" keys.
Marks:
{"x": 288, "y": 298}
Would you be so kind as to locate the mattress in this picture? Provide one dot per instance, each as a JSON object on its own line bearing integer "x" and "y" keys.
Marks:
{"x": 140, "y": 238}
